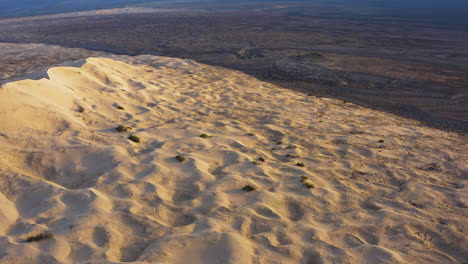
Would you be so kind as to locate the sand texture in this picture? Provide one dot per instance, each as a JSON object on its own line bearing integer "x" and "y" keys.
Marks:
{"x": 375, "y": 188}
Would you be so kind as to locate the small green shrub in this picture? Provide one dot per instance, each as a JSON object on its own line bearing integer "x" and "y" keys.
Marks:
{"x": 134, "y": 138}
{"x": 248, "y": 188}
{"x": 381, "y": 141}
{"x": 262, "y": 159}
{"x": 279, "y": 142}
{"x": 309, "y": 185}
{"x": 40, "y": 237}
{"x": 120, "y": 107}
{"x": 300, "y": 164}
{"x": 304, "y": 178}
{"x": 121, "y": 128}
{"x": 292, "y": 156}
{"x": 81, "y": 109}
{"x": 205, "y": 135}
{"x": 180, "y": 158}
{"x": 251, "y": 134}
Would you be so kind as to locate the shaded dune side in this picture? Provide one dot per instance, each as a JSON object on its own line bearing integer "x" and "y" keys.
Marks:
{"x": 387, "y": 190}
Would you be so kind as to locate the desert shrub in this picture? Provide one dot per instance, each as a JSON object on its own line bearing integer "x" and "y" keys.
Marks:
{"x": 121, "y": 128}
{"x": 81, "y": 109}
{"x": 180, "y": 158}
{"x": 40, "y": 237}
{"x": 300, "y": 164}
{"x": 134, "y": 138}
{"x": 248, "y": 188}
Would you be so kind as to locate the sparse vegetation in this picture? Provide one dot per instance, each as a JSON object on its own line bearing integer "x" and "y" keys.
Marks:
{"x": 134, "y": 138}
{"x": 205, "y": 136}
{"x": 251, "y": 134}
{"x": 279, "y": 142}
{"x": 292, "y": 156}
{"x": 81, "y": 109}
{"x": 291, "y": 147}
{"x": 262, "y": 159}
{"x": 248, "y": 188}
{"x": 255, "y": 162}
{"x": 305, "y": 181}
{"x": 40, "y": 237}
{"x": 122, "y": 128}
{"x": 300, "y": 164}
{"x": 381, "y": 141}
{"x": 180, "y": 158}
{"x": 120, "y": 107}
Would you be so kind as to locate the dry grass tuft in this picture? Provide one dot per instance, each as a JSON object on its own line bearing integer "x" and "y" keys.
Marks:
{"x": 134, "y": 138}
{"x": 121, "y": 128}
{"x": 248, "y": 188}
{"x": 40, "y": 237}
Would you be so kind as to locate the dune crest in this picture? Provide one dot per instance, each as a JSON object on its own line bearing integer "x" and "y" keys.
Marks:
{"x": 328, "y": 181}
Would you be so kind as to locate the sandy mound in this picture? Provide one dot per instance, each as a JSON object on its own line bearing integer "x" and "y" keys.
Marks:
{"x": 334, "y": 182}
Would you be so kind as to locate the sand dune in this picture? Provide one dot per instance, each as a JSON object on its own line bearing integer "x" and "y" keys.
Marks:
{"x": 26, "y": 61}
{"x": 381, "y": 188}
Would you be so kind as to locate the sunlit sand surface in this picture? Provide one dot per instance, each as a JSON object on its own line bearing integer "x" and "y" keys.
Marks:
{"x": 329, "y": 182}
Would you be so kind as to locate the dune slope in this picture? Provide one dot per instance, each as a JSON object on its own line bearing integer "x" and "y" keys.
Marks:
{"x": 334, "y": 182}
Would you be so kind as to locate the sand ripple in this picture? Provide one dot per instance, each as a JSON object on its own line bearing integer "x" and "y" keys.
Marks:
{"x": 385, "y": 189}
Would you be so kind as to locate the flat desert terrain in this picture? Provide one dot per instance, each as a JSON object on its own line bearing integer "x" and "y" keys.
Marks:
{"x": 153, "y": 159}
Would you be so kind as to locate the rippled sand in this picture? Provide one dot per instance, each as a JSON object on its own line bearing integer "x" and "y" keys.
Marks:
{"x": 375, "y": 188}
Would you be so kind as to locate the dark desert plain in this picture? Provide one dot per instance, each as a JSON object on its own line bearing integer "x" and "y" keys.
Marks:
{"x": 408, "y": 59}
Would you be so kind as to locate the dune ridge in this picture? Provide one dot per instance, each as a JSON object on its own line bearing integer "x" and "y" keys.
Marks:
{"x": 381, "y": 188}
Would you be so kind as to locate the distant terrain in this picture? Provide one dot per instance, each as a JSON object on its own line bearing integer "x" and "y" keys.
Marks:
{"x": 20, "y": 8}
{"x": 409, "y": 67}
{"x": 453, "y": 12}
